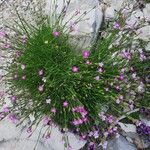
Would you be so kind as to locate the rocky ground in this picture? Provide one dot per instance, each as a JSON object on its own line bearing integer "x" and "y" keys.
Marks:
{"x": 12, "y": 138}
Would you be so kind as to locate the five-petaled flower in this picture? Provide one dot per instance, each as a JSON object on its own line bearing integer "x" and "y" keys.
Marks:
{"x": 65, "y": 104}
{"x": 56, "y": 34}
{"x": 75, "y": 69}
{"x": 86, "y": 54}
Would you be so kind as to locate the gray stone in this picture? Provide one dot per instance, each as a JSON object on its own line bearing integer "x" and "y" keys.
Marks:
{"x": 87, "y": 28}
{"x": 120, "y": 144}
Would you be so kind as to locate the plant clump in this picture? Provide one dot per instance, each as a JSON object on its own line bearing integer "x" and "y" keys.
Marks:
{"x": 87, "y": 93}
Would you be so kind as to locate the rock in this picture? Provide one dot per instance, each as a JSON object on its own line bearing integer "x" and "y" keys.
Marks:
{"x": 127, "y": 127}
{"x": 16, "y": 138}
{"x": 135, "y": 18}
{"x": 90, "y": 13}
{"x": 120, "y": 144}
{"x": 148, "y": 47}
{"x": 23, "y": 144}
{"x": 146, "y": 12}
{"x": 8, "y": 130}
{"x": 144, "y": 33}
{"x": 116, "y": 5}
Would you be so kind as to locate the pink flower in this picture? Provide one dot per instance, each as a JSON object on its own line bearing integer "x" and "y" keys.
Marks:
{"x": 100, "y": 70}
{"x": 2, "y": 34}
{"x": 5, "y": 109}
{"x": 75, "y": 122}
{"x": 121, "y": 77}
{"x": 13, "y": 118}
{"x": 18, "y": 54}
{"x": 46, "y": 120}
{"x": 90, "y": 134}
{"x": 53, "y": 110}
{"x": 88, "y": 62}
{"x": 75, "y": 69}
{"x": 116, "y": 25}
{"x": 102, "y": 116}
{"x": 142, "y": 57}
{"x": 41, "y": 88}
{"x": 56, "y": 33}
{"x": 115, "y": 129}
{"x": 73, "y": 109}
{"x": 41, "y": 72}
{"x": 83, "y": 137}
{"x": 15, "y": 76}
{"x": 97, "y": 78}
{"x": 80, "y": 121}
{"x": 24, "y": 77}
{"x": 96, "y": 134}
{"x": 117, "y": 87}
{"x": 131, "y": 106}
{"x": 65, "y": 104}
{"x": 126, "y": 55}
{"x": 84, "y": 113}
{"x": 84, "y": 119}
{"x": 23, "y": 66}
{"x": 13, "y": 99}
{"x": 121, "y": 97}
{"x": 110, "y": 119}
{"x": 86, "y": 54}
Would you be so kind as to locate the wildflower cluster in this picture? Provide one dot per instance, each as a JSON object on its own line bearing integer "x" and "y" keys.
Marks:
{"x": 86, "y": 94}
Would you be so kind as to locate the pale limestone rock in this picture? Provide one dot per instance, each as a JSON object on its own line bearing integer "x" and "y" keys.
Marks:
{"x": 120, "y": 144}
{"x": 23, "y": 144}
{"x": 87, "y": 28}
{"x": 144, "y": 33}
{"x": 135, "y": 18}
{"x": 127, "y": 127}
{"x": 147, "y": 12}
{"x": 16, "y": 138}
{"x": 116, "y": 5}
{"x": 148, "y": 47}
{"x": 8, "y": 130}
